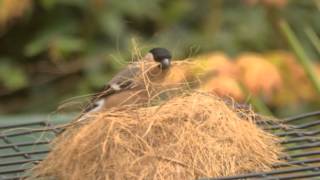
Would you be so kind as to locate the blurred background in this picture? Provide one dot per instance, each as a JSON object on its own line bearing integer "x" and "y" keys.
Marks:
{"x": 53, "y": 52}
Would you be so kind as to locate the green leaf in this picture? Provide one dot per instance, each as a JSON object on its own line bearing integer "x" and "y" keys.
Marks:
{"x": 38, "y": 45}
{"x": 48, "y": 4}
{"x": 12, "y": 76}
{"x": 137, "y": 8}
{"x": 70, "y": 44}
{"x": 49, "y": 34}
{"x": 111, "y": 24}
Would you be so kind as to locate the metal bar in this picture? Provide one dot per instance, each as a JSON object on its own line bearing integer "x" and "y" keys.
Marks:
{"x": 19, "y": 162}
{"x": 6, "y": 140}
{"x": 274, "y": 172}
{"x": 15, "y": 148}
{"x": 301, "y": 116}
{"x": 24, "y": 144}
{"x": 300, "y": 139}
{"x": 298, "y": 133}
{"x": 21, "y": 125}
{"x": 306, "y": 154}
{"x": 25, "y": 132}
{"x": 298, "y": 176}
{"x": 278, "y": 127}
{"x": 309, "y": 124}
{"x": 14, "y": 178}
{"x": 301, "y": 126}
{"x": 13, "y": 171}
{"x": 300, "y": 162}
{"x": 56, "y": 130}
{"x": 303, "y": 146}
{"x": 23, "y": 153}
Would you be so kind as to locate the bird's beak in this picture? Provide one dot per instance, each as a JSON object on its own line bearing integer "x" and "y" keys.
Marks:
{"x": 165, "y": 63}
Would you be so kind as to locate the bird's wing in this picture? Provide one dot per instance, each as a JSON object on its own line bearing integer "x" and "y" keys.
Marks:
{"x": 124, "y": 80}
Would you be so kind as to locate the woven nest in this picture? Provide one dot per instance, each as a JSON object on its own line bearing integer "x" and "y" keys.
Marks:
{"x": 190, "y": 136}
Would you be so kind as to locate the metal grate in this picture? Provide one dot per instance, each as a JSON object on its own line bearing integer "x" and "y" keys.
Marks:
{"x": 22, "y": 145}
{"x": 302, "y": 146}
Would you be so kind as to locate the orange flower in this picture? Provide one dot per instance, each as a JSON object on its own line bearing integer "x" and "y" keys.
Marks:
{"x": 217, "y": 63}
{"x": 11, "y": 9}
{"x": 296, "y": 85}
{"x": 258, "y": 74}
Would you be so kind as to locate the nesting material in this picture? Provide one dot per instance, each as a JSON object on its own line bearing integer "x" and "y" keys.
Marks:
{"x": 190, "y": 136}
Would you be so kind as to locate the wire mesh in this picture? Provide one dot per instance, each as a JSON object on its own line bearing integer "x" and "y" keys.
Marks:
{"x": 23, "y": 145}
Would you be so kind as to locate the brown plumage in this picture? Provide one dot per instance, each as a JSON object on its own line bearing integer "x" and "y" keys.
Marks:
{"x": 131, "y": 85}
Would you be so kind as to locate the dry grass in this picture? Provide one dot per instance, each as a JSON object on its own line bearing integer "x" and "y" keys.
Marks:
{"x": 189, "y": 136}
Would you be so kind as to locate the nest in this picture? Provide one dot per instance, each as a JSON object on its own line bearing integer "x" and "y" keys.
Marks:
{"x": 190, "y": 136}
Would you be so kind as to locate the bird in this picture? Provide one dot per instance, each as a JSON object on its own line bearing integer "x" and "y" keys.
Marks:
{"x": 128, "y": 86}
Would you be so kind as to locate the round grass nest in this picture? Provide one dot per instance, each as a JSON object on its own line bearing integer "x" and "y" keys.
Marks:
{"x": 187, "y": 137}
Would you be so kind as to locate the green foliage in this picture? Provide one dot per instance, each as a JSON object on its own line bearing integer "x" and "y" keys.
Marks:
{"x": 12, "y": 76}
{"x": 76, "y": 45}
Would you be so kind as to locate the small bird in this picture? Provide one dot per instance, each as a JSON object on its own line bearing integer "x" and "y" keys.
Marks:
{"x": 125, "y": 87}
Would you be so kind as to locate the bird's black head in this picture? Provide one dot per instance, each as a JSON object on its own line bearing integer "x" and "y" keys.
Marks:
{"x": 163, "y": 56}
